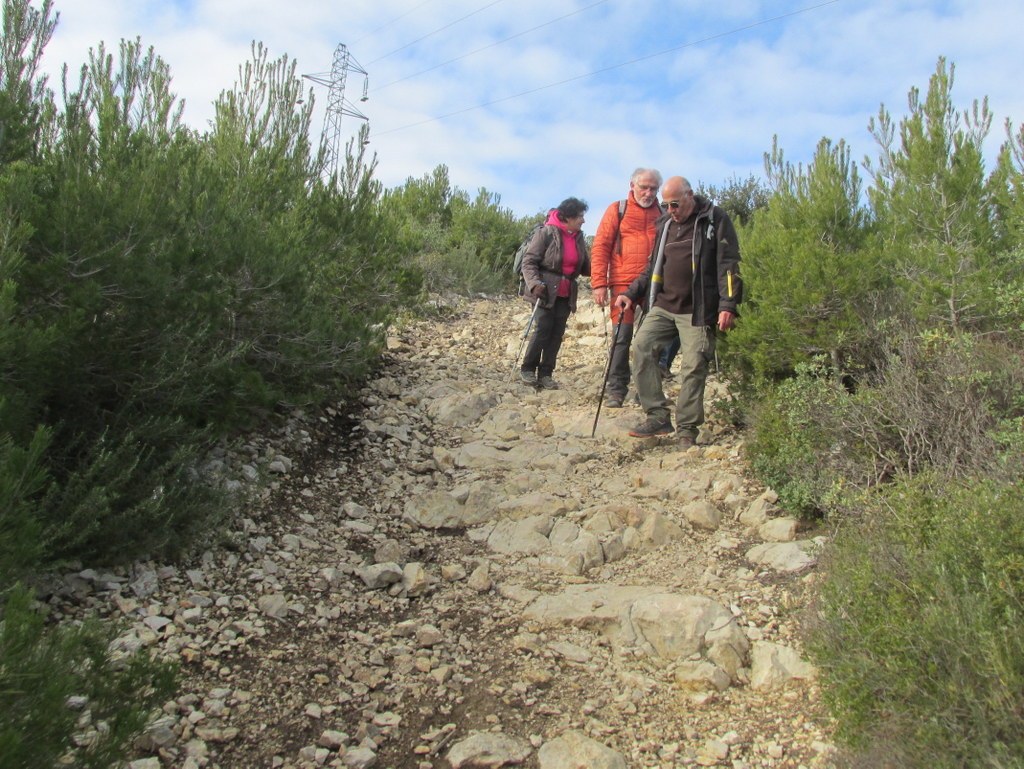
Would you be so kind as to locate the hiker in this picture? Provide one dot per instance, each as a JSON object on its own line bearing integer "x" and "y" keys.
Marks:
{"x": 692, "y": 286}
{"x": 621, "y": 247}
{"x": 553, "y": 261}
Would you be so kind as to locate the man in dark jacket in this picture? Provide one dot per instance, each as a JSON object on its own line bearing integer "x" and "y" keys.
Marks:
{"x": 691, "y": 287}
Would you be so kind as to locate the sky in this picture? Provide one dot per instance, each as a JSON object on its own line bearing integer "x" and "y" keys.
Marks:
{"x": 540, "y": 100}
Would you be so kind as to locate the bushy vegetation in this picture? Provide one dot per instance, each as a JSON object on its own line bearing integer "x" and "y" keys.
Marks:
{"x": 880, "y": 357}
{"x": 162, "y": 288}
{"x": 65, "y": 700}
{"x": 789, "y": 444}
{"x": 462, "y": 245}
{"x": 919, "y": 627}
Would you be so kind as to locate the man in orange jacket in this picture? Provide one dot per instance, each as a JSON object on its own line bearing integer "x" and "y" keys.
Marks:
{"x": 622, "y": 245}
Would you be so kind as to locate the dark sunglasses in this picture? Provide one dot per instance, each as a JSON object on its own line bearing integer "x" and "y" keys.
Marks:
{"x": 673, "y": 204}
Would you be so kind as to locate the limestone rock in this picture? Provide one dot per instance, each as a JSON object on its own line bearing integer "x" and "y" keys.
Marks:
{"x": 488, "y": 750}
{"x": 573, "y": 750}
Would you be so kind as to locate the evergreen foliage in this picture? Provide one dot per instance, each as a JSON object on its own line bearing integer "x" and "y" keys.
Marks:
{"x": 161, "y": 288}
{"x": 934, "y": 209}
{"x": 881, "y": 352}
{"x": 918, "y": 629}
{"x": 41, "y": 669}
{"x": 741, "y": 198}
{"x": 791, "y": 438}
{"x": 462, "y": 244}
{"x": 809, "y": 274}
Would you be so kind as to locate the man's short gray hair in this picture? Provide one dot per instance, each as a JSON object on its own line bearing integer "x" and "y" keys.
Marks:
{"x": 645, "y": 172}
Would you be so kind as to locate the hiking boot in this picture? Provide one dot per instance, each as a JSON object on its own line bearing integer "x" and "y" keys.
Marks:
{"x": 614, "y": 401}
{"x": 685, "y": 441}
{"x": 528, "y": 378}
{"x": 547, "y": 383}
{"x": 665, "y": 373}
{"x": 651, "y": 428}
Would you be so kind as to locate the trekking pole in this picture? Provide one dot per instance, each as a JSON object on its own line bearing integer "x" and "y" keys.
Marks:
{"x": 526, "y": 333}
{"x": 607, "y": 371}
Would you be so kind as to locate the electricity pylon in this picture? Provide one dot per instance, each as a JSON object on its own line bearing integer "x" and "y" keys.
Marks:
{"x": 337, "y": 104}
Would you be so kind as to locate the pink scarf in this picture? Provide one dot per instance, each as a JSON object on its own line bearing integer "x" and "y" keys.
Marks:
{"x": 570, "y": 255}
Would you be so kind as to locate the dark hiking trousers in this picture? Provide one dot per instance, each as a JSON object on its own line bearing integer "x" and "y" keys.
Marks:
{"x": 618, "y": 371}
{"x": 549, "y": 328}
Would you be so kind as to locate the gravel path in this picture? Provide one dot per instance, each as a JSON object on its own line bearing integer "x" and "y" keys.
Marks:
{"x": 447, "y": 570}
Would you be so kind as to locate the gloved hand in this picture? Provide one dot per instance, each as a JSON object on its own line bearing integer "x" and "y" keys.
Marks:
{"x": 539, "y": 291}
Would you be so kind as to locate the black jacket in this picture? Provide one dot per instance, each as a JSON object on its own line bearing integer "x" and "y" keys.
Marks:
{"x": 716, "y": 258}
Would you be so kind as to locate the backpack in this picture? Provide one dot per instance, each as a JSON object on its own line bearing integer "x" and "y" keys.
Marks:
{"x": 517, "y": 258}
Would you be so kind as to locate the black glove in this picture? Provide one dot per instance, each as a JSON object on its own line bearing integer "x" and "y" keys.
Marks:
{"x": 539, "y": 290}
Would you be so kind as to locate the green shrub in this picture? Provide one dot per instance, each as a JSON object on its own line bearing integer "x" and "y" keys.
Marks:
{"x": 918, "y": 627}
{"x": 792, "y": 442}
{"x": 22, "y": 479}
{"x": 41, "y": 668}
{"x": 461, "y": 244}
{"x": 460, "y": 271}
{"x": 160, "y": 289}
{"x": 809, "y": 277}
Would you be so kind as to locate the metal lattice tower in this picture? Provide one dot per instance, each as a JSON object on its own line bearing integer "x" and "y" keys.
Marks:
{"x": 337, "y": 105}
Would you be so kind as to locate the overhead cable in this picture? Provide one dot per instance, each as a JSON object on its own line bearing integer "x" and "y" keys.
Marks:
{"x": 491, "y": 45}
{"x": 439, "y": 29}
{"x": 389, "y": 23}
{"x": 610, "y": 68}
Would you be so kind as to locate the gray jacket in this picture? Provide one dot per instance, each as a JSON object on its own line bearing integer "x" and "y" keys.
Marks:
{"x": 542, "y": 263}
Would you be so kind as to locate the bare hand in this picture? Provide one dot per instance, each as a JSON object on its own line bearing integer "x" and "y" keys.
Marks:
{"x": 623, "y": 302}
{"x": 726, "y": 320}
{"x": 601, "y": 297}
{"x": 539, "y": 290}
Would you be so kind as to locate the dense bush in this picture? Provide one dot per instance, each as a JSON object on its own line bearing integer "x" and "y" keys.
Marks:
{"x": 791, "y": 440}
{"x": 461, "y": 245}
{"x": 935, "y": 209}
{"x": 917, "y": 631}
{"x": 938, "y": 402}
{"x": 161, "y": 288}
{"x": 932, "y": 403}
{"x": 40, "y": 670}
{"x": 811, "y": 279}
{"x": 906, "y": 429}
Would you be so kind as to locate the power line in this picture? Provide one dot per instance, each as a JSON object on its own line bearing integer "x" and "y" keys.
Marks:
{"x": 612, "y": 67}
{"x": 389, "y": 23}
{"x": 492, "y": 45}
{"x": 439, "y": 29}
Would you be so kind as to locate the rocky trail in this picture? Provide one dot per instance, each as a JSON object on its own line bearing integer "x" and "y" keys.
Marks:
{"x": 448, "y": 571}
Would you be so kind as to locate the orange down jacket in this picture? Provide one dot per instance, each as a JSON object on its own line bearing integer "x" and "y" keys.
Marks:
{"x": 637, "y": 233}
